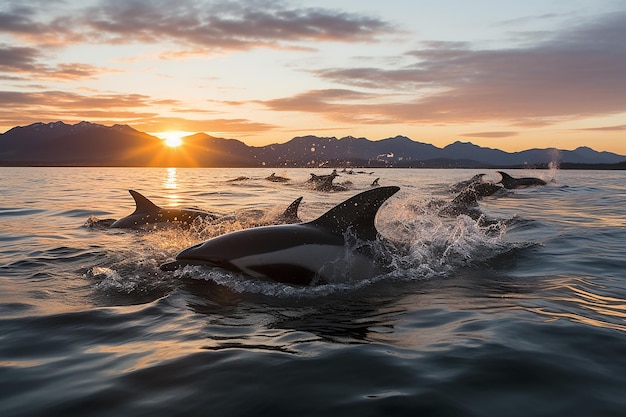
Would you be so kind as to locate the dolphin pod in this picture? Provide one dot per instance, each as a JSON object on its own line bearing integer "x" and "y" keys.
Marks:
{"x": 303, "y": 253}
{"x": 149, "y": 215}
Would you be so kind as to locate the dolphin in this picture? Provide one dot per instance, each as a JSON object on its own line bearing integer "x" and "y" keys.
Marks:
{"x": 255, "y": 217}
{"x": 239, "y": 179}
{"x": 466, "y": 202}
{"x": 322, "y": 178}
{"x": 303, "y": 253}
{"x": 459, "y": 186}
{"x": 274, "y": 178}
{"x": 509, "y": 182}
{"x": 147, "y": 214}
{"x": 327, "y": 185}
{"x": 290, "y": 215}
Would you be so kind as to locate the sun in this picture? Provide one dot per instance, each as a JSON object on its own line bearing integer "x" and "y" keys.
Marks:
{"x": 173, "y": 138}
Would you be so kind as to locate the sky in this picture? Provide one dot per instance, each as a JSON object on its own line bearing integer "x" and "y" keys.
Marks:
{"x": 506, "y": 75}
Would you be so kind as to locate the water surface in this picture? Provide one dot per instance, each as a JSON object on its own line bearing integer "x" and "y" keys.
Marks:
{"x": 523, "y": 314}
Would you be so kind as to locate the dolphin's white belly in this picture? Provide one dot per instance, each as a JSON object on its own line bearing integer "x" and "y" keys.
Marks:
{"x": 310, "y": 257}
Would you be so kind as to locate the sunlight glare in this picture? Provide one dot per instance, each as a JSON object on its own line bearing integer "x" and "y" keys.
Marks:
{"x": 173, "y": 138}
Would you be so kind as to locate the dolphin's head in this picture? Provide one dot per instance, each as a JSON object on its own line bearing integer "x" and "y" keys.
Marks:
{"x": 207, "y": 253}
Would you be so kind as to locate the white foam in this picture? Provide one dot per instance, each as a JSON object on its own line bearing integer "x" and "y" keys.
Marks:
{"x": 109, "y": 279}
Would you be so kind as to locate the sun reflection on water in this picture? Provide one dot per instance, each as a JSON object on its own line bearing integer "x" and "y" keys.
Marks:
{"x": 170, "y": 182}
{"x": 572, "y": 301}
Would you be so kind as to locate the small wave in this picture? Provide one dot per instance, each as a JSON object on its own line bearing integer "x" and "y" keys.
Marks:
{"x": 73, "y": 213}
{"x": 18, "y": 212}
{"x": 242, "y": 284}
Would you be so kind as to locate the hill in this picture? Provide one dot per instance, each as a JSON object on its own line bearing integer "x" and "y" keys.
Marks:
{"x": 91, "y": 144}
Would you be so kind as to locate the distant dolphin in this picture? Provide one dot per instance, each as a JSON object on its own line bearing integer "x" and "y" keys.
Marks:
{"x": 475, "y": 192}
{"x": 294, "y": 253}
{"x": 476, "y": 179}
{"x": 239, "y": 179}
{"x": 148, "y": 214}
{"x": 274, "y": 178}
{"x": 256, "y": 217}
{"x": 466, "y": 202}
{"x": 322, "y": 178}
{"x": 327, "y": 185}
{"x": 509, "y": 182}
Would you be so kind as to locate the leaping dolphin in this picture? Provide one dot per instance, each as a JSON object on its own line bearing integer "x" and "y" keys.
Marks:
{"x": 466, "y": 202}
{"x": 322, "y": 178}
{"x": 459, "y": 186}
{"x": 148, "y": 214}
{"x": 509, "y": 182}
{"x": 294, "y": 253}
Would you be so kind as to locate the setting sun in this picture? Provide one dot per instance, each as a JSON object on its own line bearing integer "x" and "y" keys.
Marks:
{"x": 173, "y": 139}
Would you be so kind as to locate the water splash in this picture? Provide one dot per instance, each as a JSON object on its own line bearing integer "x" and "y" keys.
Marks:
{"x": 110, "y": 280}
{"x": 413, "y": 247}
{"x": 416, "y": 243}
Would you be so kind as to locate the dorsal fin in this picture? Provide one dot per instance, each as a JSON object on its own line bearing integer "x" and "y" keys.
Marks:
{"x": 143, "y": 205}
{"x": 291, "y": 213}
{"x": 357, "y": 213}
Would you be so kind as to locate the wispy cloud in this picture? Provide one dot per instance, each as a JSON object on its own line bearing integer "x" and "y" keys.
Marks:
{"x": 571, "y": 73}
{"x": 336, "y": 104}
{"x": 75, "y": 102}
{"x": 490, "y": 134}
{"x": 614, "y": 128}
{"x": 25, "y": 63}
{"x": 214, "y": 26}
{"x": 18, "y": 108}
{"x": 224, "y": 126}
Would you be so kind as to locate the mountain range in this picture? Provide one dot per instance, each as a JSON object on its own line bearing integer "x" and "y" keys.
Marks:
{"x": 91, "y": 144}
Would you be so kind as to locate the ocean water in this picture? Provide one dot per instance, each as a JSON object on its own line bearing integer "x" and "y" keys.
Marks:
{"x": 521, "y": 312}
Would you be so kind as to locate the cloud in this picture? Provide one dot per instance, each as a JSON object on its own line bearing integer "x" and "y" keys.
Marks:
{"x": 20, "y": 108}
{"x": 17, "y": 58}
{"x": 23, "y": 63}
{"x": 335, "y": 104}
{"x": 490, "y": 134}
{"x": 73, "y": 101}
{"x": 571, "y": 73}
{"x": 316, "y": 101}
{"x": 615, "y": 128}
{"x": 241, "y": 126}
{"x": 214, "y": 26}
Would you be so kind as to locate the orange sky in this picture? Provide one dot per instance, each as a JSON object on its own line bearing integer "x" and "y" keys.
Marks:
{"x": 508, "y": 76}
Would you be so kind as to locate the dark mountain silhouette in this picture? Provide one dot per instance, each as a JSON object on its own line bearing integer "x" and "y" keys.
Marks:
{"x": 81, "y": 144}
{"x": 91, "y": 144}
